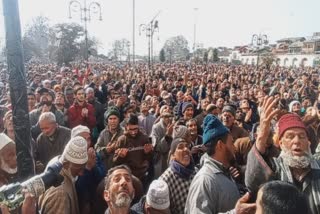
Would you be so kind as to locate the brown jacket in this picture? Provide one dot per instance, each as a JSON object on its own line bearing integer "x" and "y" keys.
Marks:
{"x": 238, "y": 132}
{"x": 137, "y": 160}
{"x": 61, "y": 199}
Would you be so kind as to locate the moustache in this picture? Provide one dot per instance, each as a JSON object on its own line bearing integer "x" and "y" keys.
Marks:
{"x": 48, "y": 103}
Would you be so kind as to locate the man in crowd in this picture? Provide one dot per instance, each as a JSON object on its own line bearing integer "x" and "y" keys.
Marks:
{"x": 81, "y": 112}
{"x": 294, "y": 165}
{"x": 98, "y": 108}
{"x": 45, "y": 105}
{"x": 156, "y": 201}
{"x": 119, "y": 191}
{"x": 146, "y": 119}
{"x": 93, "y": 173}
{"x": 278, "y": 197}
{"x": 134, "y": 149}
{"x": 161, "y": 139}
{"x": 228, "y": 120}
{"x": 106, "y": 143}
{"x": 63, "y": 199}
{"x": 31, "y": 101}
{"x": 197, "y": 148}
{"x": 213, "y": 190}
{"x": 8, "y": 160}
{"x": 52, "y": 139}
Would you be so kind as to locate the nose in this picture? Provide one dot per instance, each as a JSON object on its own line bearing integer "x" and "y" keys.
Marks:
{"x": 123, "y": 181}
{"x": 296, "y": 140}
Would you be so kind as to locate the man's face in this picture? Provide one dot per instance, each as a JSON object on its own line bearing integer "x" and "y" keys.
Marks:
{"x": 182, "y": 154}
{"x": 306, "y": 103}
{"x": 229, "y": 149}
{"x": 204, "y": 104}
{"x": 47, "y": 127}
{"x": 227, "y": 119}
{"x": 167, "y": 120}
{"x": 113, "y": 122}
{"x": 47, "y": 85}
{"x": 31, "y": 100}
{"x": 296, "y": 107}
{"x": 8, "y": 158}
{"x": 87, "y": 137}
{"x": 120, "y": 192}
{"x": 295, "y": 140}
{"x": 245, "y": 94}
{"x": 188, "y": 113}
{"x": 90, "y": 95}
{"x": 220, "y": 103}
{"x": 59, "y": 101}
{"x": 245, "y": 107}
{"x": 192, "y": 127}
{"x": 180, "y": 96}
{"x": 37, "y": 79}
{"x": 133, "y": 130}
{"x": 80, "y": 96}
{"x": 76, "y": 169}
{"x": 144, "y": 107}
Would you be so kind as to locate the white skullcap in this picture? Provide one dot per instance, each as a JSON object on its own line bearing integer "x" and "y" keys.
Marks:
{"x": 158, "y": 195}
{"x": 292, "y": 103}
{"x": 78, "y": 130}
{"x": 4, "y": 140}
{"x": 76, "y": 151}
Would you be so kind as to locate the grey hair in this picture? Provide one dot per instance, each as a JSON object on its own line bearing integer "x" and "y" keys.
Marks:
{"x": 179, "y": 131}
{"x": 89, "y": 89}
{"x": 48, "y": 116}
{"x": 46, "y": 81}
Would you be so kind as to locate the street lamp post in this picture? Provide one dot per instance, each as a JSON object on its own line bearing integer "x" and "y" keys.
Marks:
{"x": 133, "y": 31}
{"x": 150, "y": 28}
{"x": 195, "y": 31}
{"x": 258, "y": 41}
{"x": 85, "y": 16}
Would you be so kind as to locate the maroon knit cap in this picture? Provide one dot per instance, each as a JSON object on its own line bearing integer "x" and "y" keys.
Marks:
{"x": 289, "y": 121}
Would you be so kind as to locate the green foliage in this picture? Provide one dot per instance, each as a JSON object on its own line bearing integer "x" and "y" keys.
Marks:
{"x": 61, "y": 43}
{"x": 176, "y": 48}
{"x": 35, "y": 40}
{"x": 162, "y": 56}
{"x": 215, "y": 57}
{"x": 120, "y": 50}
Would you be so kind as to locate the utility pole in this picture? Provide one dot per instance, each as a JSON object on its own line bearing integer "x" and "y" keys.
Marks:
{"x": 85, "y": 16}
{"x": 258, "y": 41}
{"x": 18, "y": 89}
{"x": 195, "y": 32}
{"x": 133, "y": 31}
{"x": 150, "y": 29}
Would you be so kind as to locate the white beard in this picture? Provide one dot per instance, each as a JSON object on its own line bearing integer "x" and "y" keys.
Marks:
{"x": 5, "y": 167}
{"x": 299, "y": 162}
{"x": 123, "y": 200}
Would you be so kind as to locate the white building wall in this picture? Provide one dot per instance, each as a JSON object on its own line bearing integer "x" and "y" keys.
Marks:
{"x": 286, "y": 60}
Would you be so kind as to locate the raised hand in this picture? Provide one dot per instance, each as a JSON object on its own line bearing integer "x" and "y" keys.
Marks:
{"x": 243, "y": 207}
{"x": 267, "y": 112}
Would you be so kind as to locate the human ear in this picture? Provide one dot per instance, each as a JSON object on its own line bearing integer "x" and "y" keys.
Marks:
{"x": 106, "y": 195}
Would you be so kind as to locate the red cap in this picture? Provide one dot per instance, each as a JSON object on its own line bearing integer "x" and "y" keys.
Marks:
{"x": 289, "y": 121}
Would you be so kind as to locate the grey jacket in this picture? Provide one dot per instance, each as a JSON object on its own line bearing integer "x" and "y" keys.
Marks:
{"x": 161, "y": 145}
{"x": 104, "y": 140}
{"x": 212, "y": 190}
{"x": 34, "y": 119}
{"x": 258, "y": 172}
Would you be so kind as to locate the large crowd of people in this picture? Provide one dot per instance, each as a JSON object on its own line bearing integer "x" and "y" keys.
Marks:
{"x": 177, "y": 138}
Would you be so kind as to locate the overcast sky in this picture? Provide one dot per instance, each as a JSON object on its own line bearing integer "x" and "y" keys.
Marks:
{"x": 219, "y": 22}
